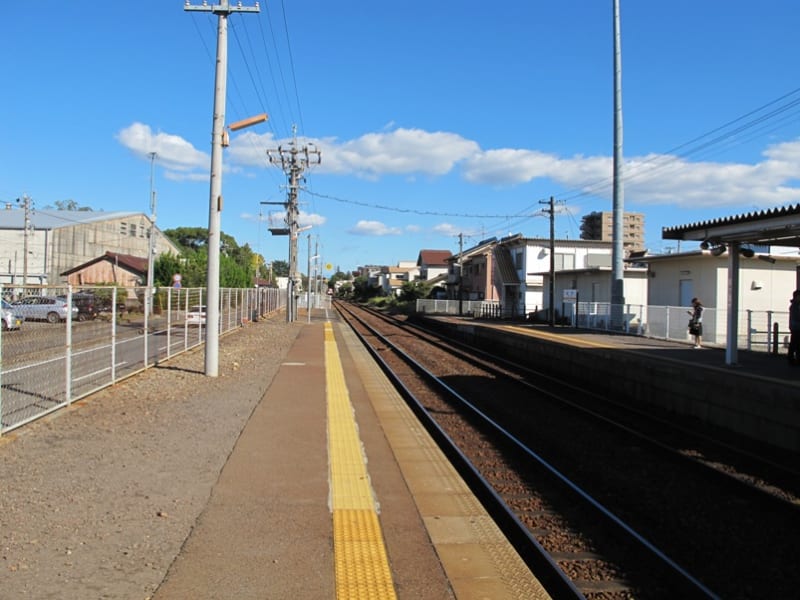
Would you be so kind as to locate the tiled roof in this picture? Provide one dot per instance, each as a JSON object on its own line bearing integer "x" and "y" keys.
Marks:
{"x": 433, "y": 258}
{"x": 135, "y": 264}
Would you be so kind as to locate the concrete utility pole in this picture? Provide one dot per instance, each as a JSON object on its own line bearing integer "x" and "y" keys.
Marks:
{"x": 152, "y": 246}
{"x": 293, "y": 161}
{"x": 617, "y": 268}
{"x": 460, "y": 274}
{"x": 552, "y": 288}
{"x": 26, "y": 206}
{"x": 222, "y": 10}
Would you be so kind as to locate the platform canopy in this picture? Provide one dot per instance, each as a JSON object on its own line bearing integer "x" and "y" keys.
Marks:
{"x": 776, "y": 227}
{"x": 773, "y": 227}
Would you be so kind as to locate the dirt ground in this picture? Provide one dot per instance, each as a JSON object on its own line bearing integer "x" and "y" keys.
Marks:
{"x": 97, "y": 499}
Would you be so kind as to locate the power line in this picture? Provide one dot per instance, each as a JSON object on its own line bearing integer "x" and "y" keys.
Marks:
{"x": 413, "y": 210}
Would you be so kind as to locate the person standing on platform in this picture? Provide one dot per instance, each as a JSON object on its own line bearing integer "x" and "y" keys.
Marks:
{"x": 696, "y": 322}
{"x": 794, "y": 329}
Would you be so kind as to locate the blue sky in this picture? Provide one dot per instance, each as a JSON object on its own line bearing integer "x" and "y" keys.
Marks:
{"x": 434, "y": 119}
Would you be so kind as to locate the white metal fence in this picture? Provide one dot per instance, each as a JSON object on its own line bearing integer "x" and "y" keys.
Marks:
{"x": 111, "y": 333}
{"x": 763, "y": 331}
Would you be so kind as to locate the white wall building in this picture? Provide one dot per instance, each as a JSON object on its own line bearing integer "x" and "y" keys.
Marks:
{"x": 523, "y": 265}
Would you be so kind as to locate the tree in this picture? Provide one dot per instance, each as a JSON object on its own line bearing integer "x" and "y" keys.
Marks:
{"x": 280, "y": 268}
{"x": 363, "y": 291}
{"x": 411, "y": 291}
{"x": 236, "y": 264}
{"x": 70, "y": 205}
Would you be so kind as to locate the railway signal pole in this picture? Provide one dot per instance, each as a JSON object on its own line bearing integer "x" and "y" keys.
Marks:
{"x": 294, "y": 161}
{"x": 222, "y": 10}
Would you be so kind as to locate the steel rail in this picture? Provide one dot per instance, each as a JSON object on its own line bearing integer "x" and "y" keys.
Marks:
{"x": 690, "y": 584}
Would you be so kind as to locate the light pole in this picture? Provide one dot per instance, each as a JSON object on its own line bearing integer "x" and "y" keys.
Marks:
{"x": 152, "y": 246}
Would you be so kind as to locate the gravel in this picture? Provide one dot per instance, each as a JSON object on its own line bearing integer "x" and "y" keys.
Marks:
{"x": 97, "y": 499}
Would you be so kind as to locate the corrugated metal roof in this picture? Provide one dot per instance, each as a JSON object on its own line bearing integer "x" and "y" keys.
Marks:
{"x": 778, "y": 226}
{"x": 53, "y": 219}
{"x": 505, "y": 265}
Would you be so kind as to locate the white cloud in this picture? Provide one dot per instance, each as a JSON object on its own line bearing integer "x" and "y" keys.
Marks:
{"x": 651, "y": 179}
{"x": 398, "y": 152}
{"x": 173, "y": 152}
{"x": 374, "y": 228}
{"x": 446, "y": 229}
{"x": 304, "y": 219}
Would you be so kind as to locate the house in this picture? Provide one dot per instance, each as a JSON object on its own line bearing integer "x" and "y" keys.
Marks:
{"x": 524, "y": 265}
{"x": 432, "y": 263}
{"x": 36, "y": 246}
{"x": 120, "y": 269}
{"x": 471, "y": 273}
{"x": 391, "y": 279}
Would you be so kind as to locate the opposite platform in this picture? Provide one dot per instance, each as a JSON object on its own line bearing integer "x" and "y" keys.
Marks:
{"x": 335, "y": 490}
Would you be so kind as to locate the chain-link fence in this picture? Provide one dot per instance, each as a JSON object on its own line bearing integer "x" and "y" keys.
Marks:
{"x": 59, "y": 344}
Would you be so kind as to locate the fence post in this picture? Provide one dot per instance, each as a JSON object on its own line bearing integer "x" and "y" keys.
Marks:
{"x": 1, "y": 369}
{"x": 68, "y": 354}
{"x": 771, "y": 348}
{"x": 750, "y": 331}
{"x": 776, "y": 337}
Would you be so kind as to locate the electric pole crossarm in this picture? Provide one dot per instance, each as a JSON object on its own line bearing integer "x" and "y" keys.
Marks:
{"x": 223, "y": 8}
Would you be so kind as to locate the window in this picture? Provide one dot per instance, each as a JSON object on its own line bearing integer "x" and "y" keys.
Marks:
{"x": 132, "y": 229}
{"x": 564, "y": 262}
{"x": 123, "y": 229}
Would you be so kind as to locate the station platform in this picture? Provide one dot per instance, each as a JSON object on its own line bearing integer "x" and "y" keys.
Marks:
{"x": 757, "y": 398}
{"x": 334, "y": 490}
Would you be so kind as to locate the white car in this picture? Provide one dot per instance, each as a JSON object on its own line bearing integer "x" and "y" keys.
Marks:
{"x": 43, "y": 308}
{"x": 196, "y": 315}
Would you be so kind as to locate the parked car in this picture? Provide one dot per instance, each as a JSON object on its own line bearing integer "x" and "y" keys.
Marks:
{"x": 43, "y": 308}
{"x": 10, "y": 318}
{"x": 87, "y": 304}
{"x": 196, "y": 315}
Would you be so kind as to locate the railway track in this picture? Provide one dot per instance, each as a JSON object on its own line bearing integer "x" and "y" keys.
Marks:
{"x": 625, "y": 506}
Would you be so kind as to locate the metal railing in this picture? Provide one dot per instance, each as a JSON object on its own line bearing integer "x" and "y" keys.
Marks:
{"x": 760, "y": 331}
{"x": 58, "y": 356}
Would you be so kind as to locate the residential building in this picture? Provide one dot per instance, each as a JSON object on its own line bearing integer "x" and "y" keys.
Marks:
{"x": 432, "y": 263}
{"x": 523, "y": 268}
{"x": 471, "y": 274}
{"x": 599, "y": 225}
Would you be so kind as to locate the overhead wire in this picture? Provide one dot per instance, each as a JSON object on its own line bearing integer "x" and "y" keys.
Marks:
{"x": 673, "y": 157}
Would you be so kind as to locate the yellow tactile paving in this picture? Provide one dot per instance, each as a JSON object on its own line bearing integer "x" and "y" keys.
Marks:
{"x": 561, "y": 339}
{"x": 478, "y": 559}
{"x": 361, "y": 563}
